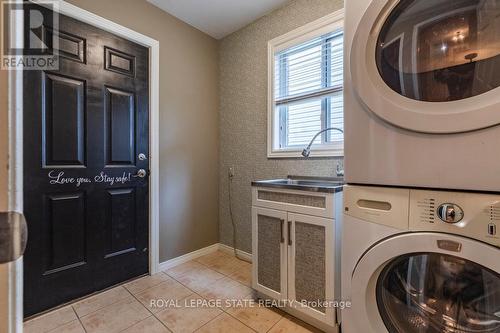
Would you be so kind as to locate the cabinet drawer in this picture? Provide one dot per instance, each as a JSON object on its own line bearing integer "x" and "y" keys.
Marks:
{"x": 311, "y": 203}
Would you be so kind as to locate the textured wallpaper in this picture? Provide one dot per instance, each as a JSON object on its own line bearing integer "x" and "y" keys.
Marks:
{"x": 243, "y": 115}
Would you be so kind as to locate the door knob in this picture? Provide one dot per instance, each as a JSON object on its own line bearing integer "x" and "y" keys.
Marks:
{"x": 142, "y": 157}
{"x": 141, "y": 173}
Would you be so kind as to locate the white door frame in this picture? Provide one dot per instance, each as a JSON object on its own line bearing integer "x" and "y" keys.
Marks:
{"x": 16, "y": 121}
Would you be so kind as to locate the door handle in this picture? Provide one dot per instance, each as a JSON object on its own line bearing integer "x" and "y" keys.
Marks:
{"x": 290, "y": 233}
{"x": 141, "y": 173}
{"x": 282, "y": 222}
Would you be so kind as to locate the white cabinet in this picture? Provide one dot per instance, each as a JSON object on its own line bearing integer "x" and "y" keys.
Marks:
{"x": 311, "y": 265}
{"x": 269, "y": 244}
{"x": 294, "y": 254}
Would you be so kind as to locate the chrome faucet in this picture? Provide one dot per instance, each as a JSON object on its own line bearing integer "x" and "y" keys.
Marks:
{"x": 307, "y": 150}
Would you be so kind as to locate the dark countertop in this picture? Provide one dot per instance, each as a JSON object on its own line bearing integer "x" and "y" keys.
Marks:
{"x": 310, "y": 184}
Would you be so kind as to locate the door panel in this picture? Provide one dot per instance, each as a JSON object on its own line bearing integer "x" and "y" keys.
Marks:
{"x": 65, "y": 222}
{"x": 311, "y": 265}
{"x": 120, "y": 126}
{"x": 121, "y": 231}
{"x": 63, "y": 124}
{"x": 269, "y": 248}
{"x": 83, "y": 127}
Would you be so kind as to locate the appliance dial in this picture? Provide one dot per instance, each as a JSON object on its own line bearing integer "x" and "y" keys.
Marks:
{"x": 450, "y": 213}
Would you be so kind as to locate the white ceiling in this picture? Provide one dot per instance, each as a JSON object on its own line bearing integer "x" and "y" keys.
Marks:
{"x": 218, "y": 18}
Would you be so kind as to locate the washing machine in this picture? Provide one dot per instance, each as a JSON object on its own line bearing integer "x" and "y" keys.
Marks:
{"x": 422, "y": 95}
{"x": 418, "y": 261}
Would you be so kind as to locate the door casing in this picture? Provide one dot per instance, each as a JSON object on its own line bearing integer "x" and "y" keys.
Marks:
{"x": 15, "y": 113}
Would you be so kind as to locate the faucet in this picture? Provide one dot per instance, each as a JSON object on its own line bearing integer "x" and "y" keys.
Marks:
{"x": 307, "y": 150}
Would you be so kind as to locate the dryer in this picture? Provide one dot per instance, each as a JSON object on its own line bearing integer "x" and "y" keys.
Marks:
{"x": 422, "y": 97}
{"x": 420, "y": 261}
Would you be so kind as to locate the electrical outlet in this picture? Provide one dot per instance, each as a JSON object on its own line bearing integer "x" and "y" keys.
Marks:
{"x": 230, "y": 172}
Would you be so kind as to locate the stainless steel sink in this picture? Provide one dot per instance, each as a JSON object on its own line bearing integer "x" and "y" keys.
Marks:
{"x": 315, "y": 184}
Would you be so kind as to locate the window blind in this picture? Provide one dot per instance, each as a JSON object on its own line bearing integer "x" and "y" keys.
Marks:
{"x": 308, "y": 84}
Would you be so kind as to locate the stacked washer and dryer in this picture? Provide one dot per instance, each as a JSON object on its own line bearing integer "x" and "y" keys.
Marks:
{"x": 420, "y": 246}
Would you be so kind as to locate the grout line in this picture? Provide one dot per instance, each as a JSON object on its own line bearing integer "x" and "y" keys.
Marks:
{"x": 102, "y": 307}
{"x": 276, "y": 323}
{"x": 140, "y": 291}
{"x": 126, "y": 328}
{"x": 134, "y": 297}
{"x": 147, "y": 308}
{"x": 222, "y": 309}
{"x": 78, "y": 318}
{"x": 208, "y": 322}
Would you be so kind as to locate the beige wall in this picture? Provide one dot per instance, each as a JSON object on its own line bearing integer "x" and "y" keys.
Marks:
{"x": 188, "y": 123}
{"x": 243, "y": 113}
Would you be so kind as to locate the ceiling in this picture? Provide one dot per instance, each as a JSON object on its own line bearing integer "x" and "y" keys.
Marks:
{"x": 218, "y": 18}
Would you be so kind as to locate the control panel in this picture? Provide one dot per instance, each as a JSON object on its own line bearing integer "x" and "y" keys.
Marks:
{"x": 474, "y": 215}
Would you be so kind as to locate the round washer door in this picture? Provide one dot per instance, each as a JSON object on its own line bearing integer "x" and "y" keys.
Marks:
{"x": 427, "y": 282}
{"x": 429, "y": 66}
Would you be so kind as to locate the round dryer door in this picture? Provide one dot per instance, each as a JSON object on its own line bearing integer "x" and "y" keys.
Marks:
{"x": 429, "y": 65}
{"x": 427, "y": 282}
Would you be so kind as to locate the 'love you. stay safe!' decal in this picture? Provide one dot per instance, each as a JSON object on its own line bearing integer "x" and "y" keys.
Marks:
{"x": 58, "y": 178}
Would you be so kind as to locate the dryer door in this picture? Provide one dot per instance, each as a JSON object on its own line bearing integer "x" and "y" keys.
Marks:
{"x": 427, "y": 282}
{"x": 429, "y": 65}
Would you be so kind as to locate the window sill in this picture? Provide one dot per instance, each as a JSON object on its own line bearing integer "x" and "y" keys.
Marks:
{"x": 293, "y": 153}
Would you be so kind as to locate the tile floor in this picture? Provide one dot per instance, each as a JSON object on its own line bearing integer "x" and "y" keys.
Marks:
{"x": 127, "y": 308}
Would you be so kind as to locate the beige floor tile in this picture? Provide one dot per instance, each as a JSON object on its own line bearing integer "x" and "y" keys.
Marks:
{"x": 146, "y": 282}
{"x": 257, "y": 317}
{"x": 148, "y": 325}
{"x": 199, "y": 278}
{"x": 244, "y": 274}
{"x": 71, "y": 327}
{"x": 115, "y": 317}
{"x": 190, "y": 316}
{"x": 165, "y": 291}
{"x": 50, "y": 320}
{"x": 99, "y": 301}
{"x": 182, "y": 269}
{"x": 209, "y": 258}
{"x": 225, "y": 264}
{"x": 289, "y": 324}
{"x": 224, "y": 324}
{"x": 225, "y": 288}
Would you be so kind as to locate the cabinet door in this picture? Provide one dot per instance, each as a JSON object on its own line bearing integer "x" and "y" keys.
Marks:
{"x": 269, "y": 271}
{"x": 311, "y": 258}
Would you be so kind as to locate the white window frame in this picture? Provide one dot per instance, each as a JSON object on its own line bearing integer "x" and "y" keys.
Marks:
{"x": 322, "y": 26}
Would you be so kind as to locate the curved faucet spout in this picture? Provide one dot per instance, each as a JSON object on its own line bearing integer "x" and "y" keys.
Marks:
{"x": 307, "y": 150}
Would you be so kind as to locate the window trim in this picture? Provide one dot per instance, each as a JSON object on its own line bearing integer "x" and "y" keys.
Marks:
{"x": 300, "y": 35}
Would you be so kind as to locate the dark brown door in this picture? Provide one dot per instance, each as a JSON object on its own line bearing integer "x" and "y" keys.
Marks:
{"x": 84, "y": 128}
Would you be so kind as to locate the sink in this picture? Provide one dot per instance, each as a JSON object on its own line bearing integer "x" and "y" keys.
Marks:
{"x": 315, "y": 184}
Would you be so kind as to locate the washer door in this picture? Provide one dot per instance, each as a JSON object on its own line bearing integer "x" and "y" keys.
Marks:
{"x": 429, "y": 65}
{"x": 427, "y": 282}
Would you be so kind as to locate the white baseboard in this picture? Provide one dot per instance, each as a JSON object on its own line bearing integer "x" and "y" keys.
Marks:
{"x": 229, "y": 249}
{"x": 201, "y": 252}
{"x": 188, "y": 257}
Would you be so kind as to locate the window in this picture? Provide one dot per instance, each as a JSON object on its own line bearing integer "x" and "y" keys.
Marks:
{"x": 306, "y": 89}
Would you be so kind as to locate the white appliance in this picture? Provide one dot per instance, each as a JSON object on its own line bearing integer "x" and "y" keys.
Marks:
{"x": 420, "y": 261}
{"x": 422, "y": 103}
